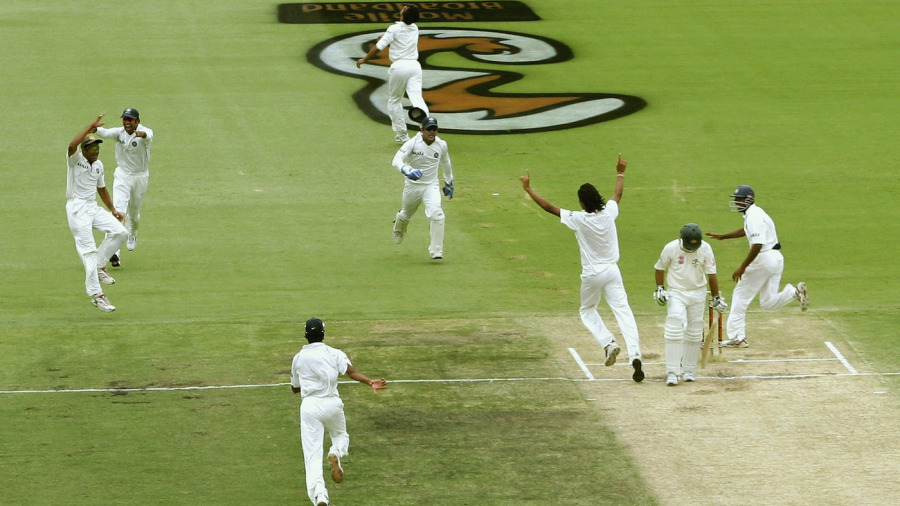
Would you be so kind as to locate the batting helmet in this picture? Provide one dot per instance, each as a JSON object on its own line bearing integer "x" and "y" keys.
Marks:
{"x": 691, "y": 237}
{"x": 131, "y": 113}
{"x": 742, "y": 192}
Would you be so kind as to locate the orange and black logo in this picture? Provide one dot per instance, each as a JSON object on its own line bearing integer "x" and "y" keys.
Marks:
{"x": 464, "y": 98}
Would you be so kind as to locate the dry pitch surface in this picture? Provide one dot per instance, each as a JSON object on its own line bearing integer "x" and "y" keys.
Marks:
{"x": 740, "y": 435}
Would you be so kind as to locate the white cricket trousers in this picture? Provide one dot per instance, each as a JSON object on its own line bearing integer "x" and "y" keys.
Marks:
{"x": 683, "y": 331}
{"x": 608, "y": 283}
{"x": 404, "y": 75}
{"x": 128, "y": 196}
{"x": 763, "y": 276}
{"x": 318, "y": 414}
{"x": 84, "y": 216}
{"x": 414, "y": 195}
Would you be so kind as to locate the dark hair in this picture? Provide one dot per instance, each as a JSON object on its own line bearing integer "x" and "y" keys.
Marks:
{"x": 411, "y": 14}
{"x": 590, "y": 198}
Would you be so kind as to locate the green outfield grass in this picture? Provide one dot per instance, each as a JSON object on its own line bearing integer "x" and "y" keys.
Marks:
{"x": 271, "y": 201}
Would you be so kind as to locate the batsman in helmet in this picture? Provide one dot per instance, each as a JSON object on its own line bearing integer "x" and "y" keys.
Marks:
{"x": 685, "y": 265}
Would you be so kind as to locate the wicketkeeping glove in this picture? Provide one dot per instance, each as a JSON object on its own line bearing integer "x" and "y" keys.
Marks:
{"x": 413, "y": 174}
{"x": 448, "y": 189}
{"x": 718, "y": 303}
{"x": 660, "y": 295}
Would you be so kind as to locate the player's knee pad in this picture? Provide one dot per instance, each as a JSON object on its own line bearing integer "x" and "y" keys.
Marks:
{"x": 694, "y": 330}
{"x": 437, "y": 215}
{"x": 674, "y": 329}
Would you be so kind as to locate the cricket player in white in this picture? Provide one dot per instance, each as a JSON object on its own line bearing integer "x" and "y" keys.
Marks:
{"x": 85, "y": 180}
{"x": 760, "y": 273}
{"x": 419, "y": 159}
{"x": 405, "y": 73}
{"x": 132, "y": 176}
{"x": 598, "y": 243}
{"x": 314, "y": 374}
{"x": 686, "y": 263}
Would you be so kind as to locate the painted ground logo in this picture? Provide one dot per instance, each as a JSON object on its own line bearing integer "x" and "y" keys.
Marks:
{"x": 464, "y": 98}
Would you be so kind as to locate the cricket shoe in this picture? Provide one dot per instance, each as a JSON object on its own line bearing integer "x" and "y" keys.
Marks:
{"x": 102, "y": 303}
{"x": 671, "y": 379}
{"x": 104, "y": 277}
{"x": 114, "y": 261}
{"x": 337, "y": 472}
{"x": 638, "y": 375}
{"x": 401, "y": 137}
{"x": 398, "y": 237}
{"x": 734, "y": 343}
{"x": 437, "y": 256}
{"x": 612, "y": 351}
{"x": 689, "y": 377}
{"x": 131, "y": 243}
{"x": 803, "y": 296}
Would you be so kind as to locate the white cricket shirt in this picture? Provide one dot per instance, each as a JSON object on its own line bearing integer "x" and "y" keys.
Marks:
{"x": 83, "y": 178}
{"x": 403, "y": 39}
{"x": 686, "y": 270}
{"x": 596, "y": 233}
{"x": 316, "y": 368}
{"x": 428, "y": 159}
{"x": 760, "y": 228}
{"x": 132, "y": 152}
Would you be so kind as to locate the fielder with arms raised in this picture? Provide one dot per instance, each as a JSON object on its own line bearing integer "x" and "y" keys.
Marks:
{"x": 598, "y": 242}
{"x": 85, "y": 180}
{"x": 314, "y": 374}
{"x": 686, "y": 263}
{"x": 419, "y": 159}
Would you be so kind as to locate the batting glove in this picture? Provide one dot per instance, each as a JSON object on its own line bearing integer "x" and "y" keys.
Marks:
{"x": 718, "y": 303}
{"x": 414, "y": 175}
{"x": 448, "y": 189}
{"x": 660, "y": 295}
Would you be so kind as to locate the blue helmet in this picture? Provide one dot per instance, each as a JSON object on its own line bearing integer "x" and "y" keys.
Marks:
{"x": 742, "y": 192}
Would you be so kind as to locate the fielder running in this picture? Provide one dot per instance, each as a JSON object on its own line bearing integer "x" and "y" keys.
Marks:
{"x": 759, "y": 273}
{"x": 314, "y": 374}
{"x": 418, "y": 159}
{"x": 132, "y": 176}
{"x": 598, "y": 243}
{"x": 686, "y": 264}
{"x": 85, "y": 180}
{"x": 405, "y": 73}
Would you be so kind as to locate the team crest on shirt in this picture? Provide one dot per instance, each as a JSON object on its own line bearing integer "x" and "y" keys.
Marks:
{"x": 466, "y": 99}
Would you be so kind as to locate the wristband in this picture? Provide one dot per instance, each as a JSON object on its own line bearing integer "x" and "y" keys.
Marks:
{"x": 620, "y": 175}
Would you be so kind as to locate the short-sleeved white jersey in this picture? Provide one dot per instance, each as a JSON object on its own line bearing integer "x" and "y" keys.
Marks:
{"x": 316, "y": 368}
{"x": 686, "y": 270}
{"x": 132, "y": 152}
{"x": 83, "y": 178}
{"x": 418, "y": 155}
{"x": 403, "y": 39}
{"x": 596, "y": 233}
{"x": 760, "y": 228}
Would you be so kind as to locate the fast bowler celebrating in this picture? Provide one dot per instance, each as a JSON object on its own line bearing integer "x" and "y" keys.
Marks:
{"x": 759, "y": 273}
{"x": 598, "y": 244}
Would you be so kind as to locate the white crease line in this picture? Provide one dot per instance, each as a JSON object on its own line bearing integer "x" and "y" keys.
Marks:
{"x": 581, "y": 363}
{"x": 459, "y": 380}
{"x": 739, "y": 361}
{"x": 840, "y": 357}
